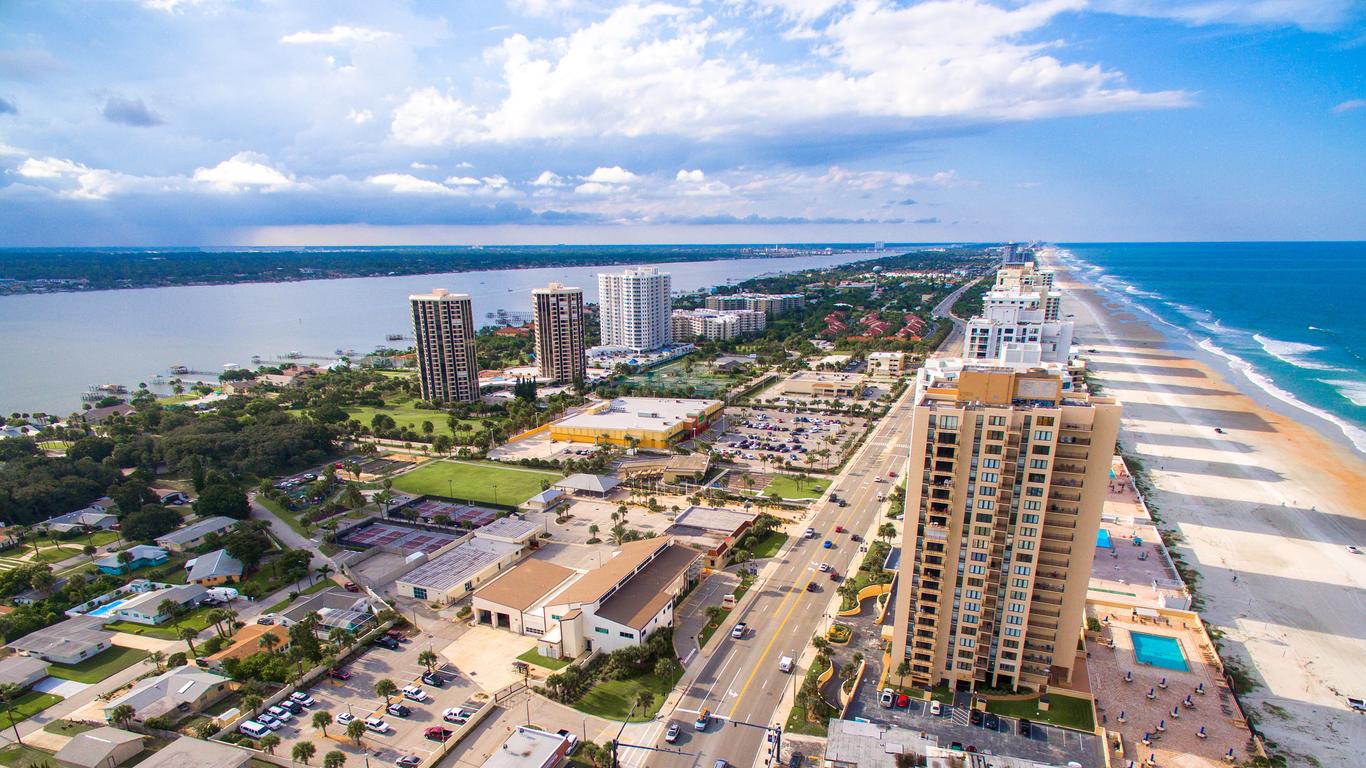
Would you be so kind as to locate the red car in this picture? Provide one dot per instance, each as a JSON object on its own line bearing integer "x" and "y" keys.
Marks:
{"x": 839, "y": 529}
{"x": 903, "y": 701}
{"x": 436, "y": 733}
{"x": 834, "y": 575}
{"x": 340, "y": 674}
{"x": 350, "y": 586}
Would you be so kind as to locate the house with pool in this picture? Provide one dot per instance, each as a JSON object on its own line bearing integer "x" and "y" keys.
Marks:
{"x": 140, "y": 602}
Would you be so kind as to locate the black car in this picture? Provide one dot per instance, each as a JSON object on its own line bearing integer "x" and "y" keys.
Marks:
{"x": 812, "y": 586}
{"x": 293, "y": 706}
{"x": 991, "y": 722}
{"x": 387, "y": 642}
{"x": 1026, "y": 727}
{"x": 433, "y": 679}
{"x": 398, "y": 710}
{"x": 977, "y": 717}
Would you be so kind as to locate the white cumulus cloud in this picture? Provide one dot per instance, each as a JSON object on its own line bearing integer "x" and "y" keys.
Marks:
{"x": 548, "y": 179}
{"x": 614, "y": 175}
{"x": 338, "y": 35}
{"x": 360, "y": 116}
{"x": 406, "y": 183}
{"x": 244, "y": 170}
{"x": 693, "y": 177}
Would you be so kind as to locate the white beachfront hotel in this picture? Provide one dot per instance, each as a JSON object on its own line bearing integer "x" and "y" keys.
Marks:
{"x": 1021, "y": 310}
{"x": 635, "y": 307}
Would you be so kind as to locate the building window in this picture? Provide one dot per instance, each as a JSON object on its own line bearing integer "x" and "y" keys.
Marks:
{"x": 601, "y": 631}
{"x": 627, "y": 635}
{"x": 1021, "y": 570}
{"x": 420, "y": 593}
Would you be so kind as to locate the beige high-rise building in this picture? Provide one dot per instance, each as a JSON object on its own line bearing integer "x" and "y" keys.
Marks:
{"x": 443, "y": 325}
{"x": 560, "y": 351}
{"x": 1007, "y": 479}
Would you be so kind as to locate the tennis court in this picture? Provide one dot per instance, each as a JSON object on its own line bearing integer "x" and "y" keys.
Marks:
{"x": 396, "y": 538}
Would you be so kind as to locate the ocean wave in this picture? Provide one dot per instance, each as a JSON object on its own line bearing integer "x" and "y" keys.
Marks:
{"x": 1354, "y": 391}
{"x": 1219, "y": 328}
{"x": 1293, "y": 353}
{"x": 1354, "y": 433}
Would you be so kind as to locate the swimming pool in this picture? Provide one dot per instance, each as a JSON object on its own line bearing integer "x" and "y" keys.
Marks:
{"x": 1159, "y": 651}
{"x": 106, "y": 609}
{"x": 1103, "y": 539}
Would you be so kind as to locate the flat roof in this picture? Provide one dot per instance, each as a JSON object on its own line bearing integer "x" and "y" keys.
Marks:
{"x": 187, "y": 752}
{"x": 826, "y": 376}
{"x": 655, "y": 413}
{"x": 528, "y": 747}
{"x": 196, "y": 529}
{"x": 525, "y": 584}
{"x": 596, "y": 583}
{"x": 65, "y": 638}
{"x": 18, "y": 670}
{"x": 515, "y": 528}
{"x": 718, "y": 519}
{"x": 458, "y": 565}
{"x": 645, "y": 595}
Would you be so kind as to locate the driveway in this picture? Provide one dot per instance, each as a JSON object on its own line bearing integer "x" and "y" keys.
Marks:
{"x": 486, "y": 655}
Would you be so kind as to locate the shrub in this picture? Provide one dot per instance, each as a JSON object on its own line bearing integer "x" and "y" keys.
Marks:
{"x": 177, "y": 659}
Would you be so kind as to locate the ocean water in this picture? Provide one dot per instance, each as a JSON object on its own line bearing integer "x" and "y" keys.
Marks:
{"x": 1287, "y": 315}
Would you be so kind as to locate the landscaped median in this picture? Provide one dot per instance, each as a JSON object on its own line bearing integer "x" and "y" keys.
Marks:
{"x": 811, "y": 713}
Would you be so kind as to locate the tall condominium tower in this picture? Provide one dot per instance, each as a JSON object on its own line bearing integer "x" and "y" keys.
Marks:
{"x": 635, "y": 307}
{"x": 1008, "y": 476}
{"x": 443, "y": 324}
{"x": 560, "y": 351}
{"x": 1021, "y": 311}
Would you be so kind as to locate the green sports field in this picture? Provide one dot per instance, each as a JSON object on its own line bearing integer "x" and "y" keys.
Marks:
{"x": 482, "y": 481}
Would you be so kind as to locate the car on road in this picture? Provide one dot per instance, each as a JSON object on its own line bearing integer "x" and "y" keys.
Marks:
{"x": 1026, "y": 728}
{"x": 834, "y": 575}
{"x": 839, "y": 529}
{"x": 809, "y": 534}
{"x": 991, "y": 722}
{"x": 408, "y": 761}
{"x": 738, "y": 631}
{"x": 1354, "y": 550}
{"x": 303, "y": 698}
{"x": 673, "y": 733}
{"x": 398, "y": 710}
{"x": 703, "y": 720}
{"x": 436, "y": 733}
{"x": 414, "y": 693}
{"x": 887, "y": 699}
{"x": 812, "y": 586}
{"x": 341, "y": 674}
{"x": 376, "y": 725}
{"x": 433, "y": 679}
{"x": 828, "y": 544}
{"x": 825, "y": 567}
{"x": 345, "y": 718}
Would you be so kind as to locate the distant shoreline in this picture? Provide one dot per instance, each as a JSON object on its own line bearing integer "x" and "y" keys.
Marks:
{"x": 28, "y": 272}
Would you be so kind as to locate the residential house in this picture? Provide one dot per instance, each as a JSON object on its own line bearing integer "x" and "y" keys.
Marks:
{"x": 171, "y": 497}
{"x": 335, "y": 608}
{"x": 176, "y": 692}
{"x": 68, "y": 642}
{"x": 22, "y": 671}
{"x": 186, "y": 752}
{"x": 96, "y": 516}
{"x": 144, "y": 555}
{"x": 217, "y": 567}
{"x": 145, "y": 607}
{"x": 100, "y": 748}
{"x": 194, "y": 534}
{"x": 102, "y": 415}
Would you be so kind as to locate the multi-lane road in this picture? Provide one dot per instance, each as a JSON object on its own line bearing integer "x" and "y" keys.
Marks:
{"x": 739, "y": 680}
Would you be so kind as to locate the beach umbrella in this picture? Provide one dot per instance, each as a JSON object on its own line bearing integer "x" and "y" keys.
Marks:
{"x": 1202, "y": 733}
{"x": 1161, "y": 726}
{"x": 1121, "y": 715}
{"x": 1189, "y": 701}
{"x": 1152, "y": 693}
{"x": 1176, "y": 713}
{"x": 1163, "y": 683}
{"x": 1128, "y": 677}
{"x": 1200, "y": 689}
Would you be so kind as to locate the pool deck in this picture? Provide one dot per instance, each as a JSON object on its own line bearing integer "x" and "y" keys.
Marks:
{"x": 1118, "y": 573}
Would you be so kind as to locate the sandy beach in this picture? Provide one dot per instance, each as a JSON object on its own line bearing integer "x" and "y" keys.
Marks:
{"x": 1264, "y": 512}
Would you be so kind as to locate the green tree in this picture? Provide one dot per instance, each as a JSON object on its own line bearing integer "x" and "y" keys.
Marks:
{"x": 428, "y": 659}
{"x": 334, "y": 759}
{"x": 355, "y": 730}
{"x": 9, "y": 692}
{"x": 304, "y": 750}
{"x": 222, "y": 500}
{"x": 386, "y": 688}
{"x": 321, "y": 720}
{"x": 188, "y": 634}
{"x": 269, "y": 742}
{"x": 123, "y": 714}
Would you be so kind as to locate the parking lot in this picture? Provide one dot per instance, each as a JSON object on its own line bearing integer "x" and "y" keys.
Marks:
{"x": 756, "y": 436}
{"x": 356, "y": 696}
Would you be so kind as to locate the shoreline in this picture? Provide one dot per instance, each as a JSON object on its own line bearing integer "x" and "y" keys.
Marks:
{"x": 1263, "y": 512}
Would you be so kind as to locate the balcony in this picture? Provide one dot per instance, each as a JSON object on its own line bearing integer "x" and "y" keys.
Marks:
{"x": 1060, "y": 482}
{"x": 1071, "y": 469}
{"x": 1076, "y": 427}
{"x": 1054, "y": 561}
{"x": 1072, "y": 452}
{"x": 1072, "y": 496}
{"x": 1069, "y": 440}
{"x": 936, "y": 533}
{"x": 1055, "y": 549}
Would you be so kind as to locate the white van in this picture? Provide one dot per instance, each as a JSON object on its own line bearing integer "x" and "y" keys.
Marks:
{"x": 253, "y": 729}
{"x": 785, "y": 664}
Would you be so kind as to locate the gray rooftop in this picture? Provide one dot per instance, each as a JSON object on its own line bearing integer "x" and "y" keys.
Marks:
{"x": 20, "y": 670}
{"x": 526, "y": 747}
{"x": 331, "y": 599}
{"x": 715, "y": 519}
{"x": 186, "y": 752}
{"x": 138, "y": 551}
{"x": 93, "y": 749}
{"x": 65, "y": 638}
{"x": 197, "y": 529}
{"x": 515, "y": 528}
{"x": 590, "y": 483}
{"x": 167, "y": 691}
{"x": 146, "y": 602}
{"x": 215, "y": 564}
{"x": 458, "y": 565}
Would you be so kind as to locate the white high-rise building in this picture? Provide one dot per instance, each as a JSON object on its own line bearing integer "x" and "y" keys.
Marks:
{"x": 635, "y": 309}
{"x": 1019, "y": 316}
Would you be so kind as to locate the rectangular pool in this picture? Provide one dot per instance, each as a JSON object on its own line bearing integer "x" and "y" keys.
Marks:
{"x": 1103, "y": 539}
{"x": 1159, "y": 651}
{"x": 106, "y": 609}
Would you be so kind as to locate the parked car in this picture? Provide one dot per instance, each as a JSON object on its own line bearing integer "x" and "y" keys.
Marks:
{"x": 281, "y": 714}
{"x": 303, "y": 698}
{"x": 266, "y": 618}
{"x": 903, "y": 701}
{"x": 738, "y": 631}
{"x": 672, "y": 734}
{"x": 1354, "y": 550}
{"x": 936, "y": 708}
{"x": 976, "y": 717}
{"x": 294, "y": 707}
{"x": 408, "y": 761}
{"x": 991, "y": 722}
{"x": 345, "y": 719}
{"x": 376, "y": 725}
{"x": 1356, "y": 704}
{"x": 456, "y": 715}
{"x": 387, "y": 642}
{"x": 350, "y": 586}
{"x": 340, "y": 674}
{"x": 1026, "y": 728}
{"x": 887, "y": 699}
{"x": 433, "y": 679}
{"x": 268, "y": 721}
{"x": 436, "y": 733}
{"x": 414, "y": 693}
{"x": 398, "y": 710}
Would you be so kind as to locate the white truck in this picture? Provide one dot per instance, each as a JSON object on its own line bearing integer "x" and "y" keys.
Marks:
{"x": 785, "y": 664}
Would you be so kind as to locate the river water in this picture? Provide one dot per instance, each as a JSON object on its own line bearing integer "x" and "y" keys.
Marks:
{"x": 57, "y": 345}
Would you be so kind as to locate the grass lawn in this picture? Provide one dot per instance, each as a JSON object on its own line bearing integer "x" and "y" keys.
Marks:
{"x": 797, "y": 487}
{"x": 480, "y": 481}
{"x": 283, "y": 514}
{"x": 534, "y": 656}
{"x": 55, "y": 554}
{"x": 198, "y": 619}
{"x": 97, "y": 668}
{"x": 613, "y": 699}
{"x": 184, "y": 397}
{"x": 17, "y": 756}
{"x": 317, "y": 586}
{"x": 26, "y": 706}
{"x": 770, "y": 545}
{"x": 1062, "y": 710}
{"x": 405, "y": 413}
{"x": 68, "y": 727}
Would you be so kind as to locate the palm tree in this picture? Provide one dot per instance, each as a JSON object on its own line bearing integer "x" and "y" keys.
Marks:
{"x": 902, "y": 669}
{"x": 324, "y": 571}
{"x": 9, "y": 692}
{"x": 428, "y": 658}
{"x": 125, "y": 559}
{"x": 269, "y": 742}
{"x": 339, "y": 636}
{"x": 188, "y": 634}
{"x": 252, "y": 701}
{"x": 304, "y": 750}
{"x": 386, "y": 688}
{"x": 886, "y": 531}
{"x": 217, "y": 617}
{"x": 334, "y": 759}
{"x": 170, "y": 608}
{"x": 123, "y": 714}
{"x": 644, "y": 699}
{"x": 593, "y": 531}
{"x": 157, "y": 659}
{"x": 321, "y": 720}
{"x": 355, "y": 730}
{"x": 268, "y": 641}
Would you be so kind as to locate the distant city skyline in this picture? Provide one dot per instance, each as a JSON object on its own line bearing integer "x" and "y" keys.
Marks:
{"x": 223, "y": 122}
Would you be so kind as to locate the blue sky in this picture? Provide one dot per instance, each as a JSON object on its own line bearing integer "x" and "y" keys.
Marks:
{"x": 277, "y": 122}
